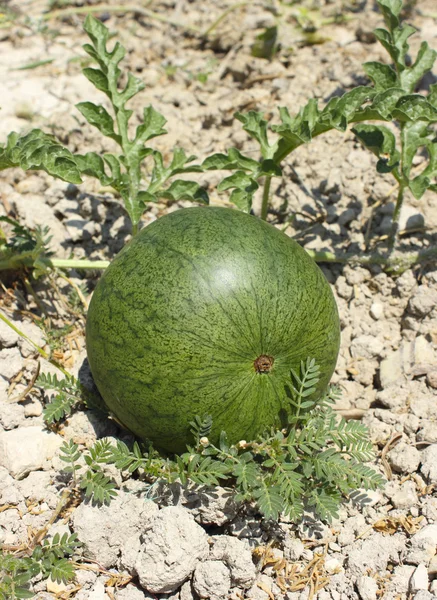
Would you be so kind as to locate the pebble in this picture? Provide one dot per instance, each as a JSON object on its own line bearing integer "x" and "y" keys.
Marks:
{"x": 376, "y": 311}
{"x": 367, "y": 588}
{"x": 8, "y": 337}
{"x": 27, "y": 449}
{"x": 404, "y": 458}
{"x": 212, "y": 579}
{"x": 419, "y": 579}
{"x": 366, "y": 346}
{"x": 429, "y": 463}
{"x": 11, "y": 362}
{"x": 406, "y": 496}
{"x": 422, "y": 302}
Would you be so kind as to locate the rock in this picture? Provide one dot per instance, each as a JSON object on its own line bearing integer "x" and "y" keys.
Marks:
{"x": 419, "y": 579}
{"x": 424, "y": 595}
{"x": 171, "y": 545}
{"x": 404, "y": 458}
{"x": 429, "y": 463}
{"x": 35, "y": 485}
{"x": 27, "y": 449}
{"x": 86, "y": 427}
{"x": 367, "y": 588}
{"x": 293, "y": 548}
{"x": 237, "y": 557}
{"x": 11, "y": 415}
{"x": 422, "y": 302}
{"x": 211, "y": 506}
{"x": 8, "y": 337}
{"x": 333, "y": 565}
{"x": 376, "y": 311}
{"x": 413, "y": 358}
{"x": 32, "y": 407}
{"x": 261, "y": 589}
{"x": 406, "y": 283}
{"x": 406, "y": 496}
{"x": 431, "y": 379}
{"x": 34, "y": 333}
{"x": 131, "y": 592}
{"x": 104, "y": 529}
{"x": 432, "y": 567}
{"x": 375, "y": 553}
{"x": 186, "y": 592}
{"x": 400, "y": 581}
{"x": 428, "y": 433}
{"x": 410, "y": 218}
{"x": 366, "y": 346}
{"x": 423, "y": 546}
{"x": 391, "y": 370}
{"x": 98, "y": 592}
{"x": 11, "y": 362}
{"x": 212, "y": 579}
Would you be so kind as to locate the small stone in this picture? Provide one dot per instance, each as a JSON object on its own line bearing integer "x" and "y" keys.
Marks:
{"x": 347, "y": 216}
{"x": 11, "y": 362}
{"x": 333, "y": 565}
{"x": 32, "y": 408}
{"x": 238, "y": 558}
{"x": 424, "y": 356}
{"x": 293, "y": 549}
{"x": 54, "y": 587}
{"x": 8, "y": 337}
{"x": 423, "y": 546}
{"x": 367, "y": 588}
{"x": 98, "y": 592}
{"x": 186, "y": 592}
{"x": 424, "y": 595}
{"x": 105, "y": 529}
{"x": 410, "y": 218}
{"x": 34, "y": 333}
{"x": 375, "y": 553}
{"x": 35, "y": 485}
{"x": 404, "y": 458}
{"x": 33, "y": 184}
{"x": 432, "y": 567}
{"x": 366, "y": 346}
{"x": 212, "y": 579}
{"x": 131, "y": 592}
{"x": 428, "y": 433}
{"x": 376, "y": 311}
{"x": 27, "y": 449}
{"x": 431, "y": 379}
{"x": 391, "y": 370}
{"x": 419, "y": 579}
{"x": 429, "y": 463}
{"x": 11, "y": 415}
{"x": 261, "y": 589}
{"x": 172, "y": 544}
{"x": 422, "y": 302}
{"x": 406, "y": 496}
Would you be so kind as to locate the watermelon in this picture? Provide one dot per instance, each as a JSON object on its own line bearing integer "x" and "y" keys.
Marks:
{"x": 203, "y": 313}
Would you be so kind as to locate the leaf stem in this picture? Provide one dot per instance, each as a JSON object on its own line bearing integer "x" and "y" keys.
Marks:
{"x": 16, "y": 262}
{"x": 265, "y": 199}
{"x": 40, "y": 350}
{"x": 396, "y": 215}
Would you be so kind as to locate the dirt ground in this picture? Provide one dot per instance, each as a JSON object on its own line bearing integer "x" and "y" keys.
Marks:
{"x": 330, "y": 198}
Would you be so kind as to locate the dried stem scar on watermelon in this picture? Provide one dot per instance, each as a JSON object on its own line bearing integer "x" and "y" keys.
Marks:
{"x": 204, "y": 312}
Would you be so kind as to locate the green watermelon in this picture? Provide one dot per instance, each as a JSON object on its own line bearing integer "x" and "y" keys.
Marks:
{"x": 203, "y": 313}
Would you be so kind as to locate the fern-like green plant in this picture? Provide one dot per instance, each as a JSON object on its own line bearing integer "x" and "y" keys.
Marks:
{"x": 51, "y": 558}
{"x": 318, "y": 459}
{"x": 70, "y": 394}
